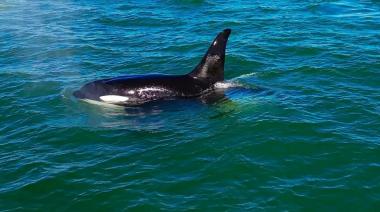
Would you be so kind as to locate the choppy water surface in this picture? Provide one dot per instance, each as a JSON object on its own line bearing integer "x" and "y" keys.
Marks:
{"x": 305, "y": 135}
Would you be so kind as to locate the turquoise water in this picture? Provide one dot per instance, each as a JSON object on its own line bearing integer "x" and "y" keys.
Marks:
{"x": 307, "y": 139}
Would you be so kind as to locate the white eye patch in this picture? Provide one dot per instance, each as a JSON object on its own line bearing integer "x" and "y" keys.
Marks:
{"x": 114, "y": 99}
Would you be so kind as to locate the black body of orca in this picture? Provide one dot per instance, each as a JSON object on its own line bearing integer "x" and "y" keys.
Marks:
{"x": 139, "y": 89}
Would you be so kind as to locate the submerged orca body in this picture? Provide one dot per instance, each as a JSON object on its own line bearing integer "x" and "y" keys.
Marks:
{"x": 139, "y": 89}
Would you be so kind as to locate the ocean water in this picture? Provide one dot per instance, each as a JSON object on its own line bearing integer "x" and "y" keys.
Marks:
{"x": 298, "y": 129}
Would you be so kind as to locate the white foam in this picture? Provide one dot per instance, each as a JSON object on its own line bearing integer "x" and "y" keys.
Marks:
{"x": 225, "y": 85}
{"x": 114, "y": 99}
{"x": 245, "y": 76}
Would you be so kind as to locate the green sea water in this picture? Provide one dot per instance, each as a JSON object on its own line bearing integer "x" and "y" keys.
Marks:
{"x": 303, "y": 134}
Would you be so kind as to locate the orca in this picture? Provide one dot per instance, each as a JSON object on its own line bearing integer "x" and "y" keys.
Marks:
{"x": 139, "y": 89}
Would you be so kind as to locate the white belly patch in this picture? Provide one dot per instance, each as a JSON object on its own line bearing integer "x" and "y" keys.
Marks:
{"x": 114, "y": 99}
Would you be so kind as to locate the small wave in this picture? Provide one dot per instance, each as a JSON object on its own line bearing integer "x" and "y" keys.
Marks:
{"x": 225, "y": 85}
{"x": 234, "y": 82}
{"x": 245, "y": 76}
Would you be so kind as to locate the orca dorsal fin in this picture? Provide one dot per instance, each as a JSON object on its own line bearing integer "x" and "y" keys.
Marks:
{"x": 211, "y": 67}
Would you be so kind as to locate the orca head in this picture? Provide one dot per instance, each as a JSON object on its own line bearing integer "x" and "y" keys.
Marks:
{"x": 92, "y": 91}
{"x": 211, "y": 67}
